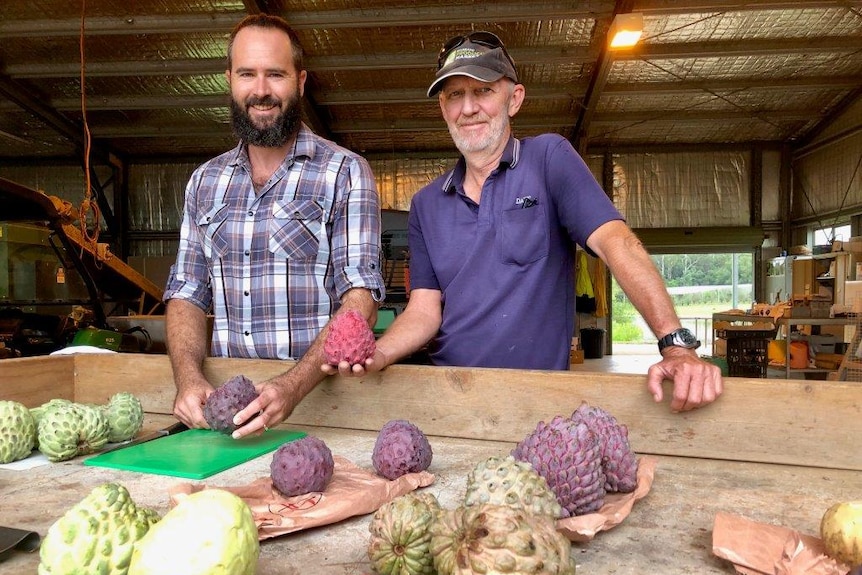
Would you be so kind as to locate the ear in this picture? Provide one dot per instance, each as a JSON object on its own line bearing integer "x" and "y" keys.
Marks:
{"x": 518, "y": 94}
{"x": 302, "y": 77}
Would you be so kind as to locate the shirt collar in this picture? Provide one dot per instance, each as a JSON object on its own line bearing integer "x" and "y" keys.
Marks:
{"x": 511, "y": 156}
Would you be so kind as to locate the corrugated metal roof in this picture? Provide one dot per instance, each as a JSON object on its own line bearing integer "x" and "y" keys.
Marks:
{"x": 707, "y": 72}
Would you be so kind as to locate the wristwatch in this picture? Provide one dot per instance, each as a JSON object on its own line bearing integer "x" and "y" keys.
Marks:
{"x": 681, "y": 337}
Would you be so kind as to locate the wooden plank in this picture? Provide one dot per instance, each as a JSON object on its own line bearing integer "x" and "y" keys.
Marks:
{"x": 668, "y": 532}
{"x": 798, "y": 422}
{"x": 35, "y": 380}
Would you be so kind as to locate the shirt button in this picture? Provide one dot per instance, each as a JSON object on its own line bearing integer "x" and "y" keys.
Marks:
{"x": 247, "y": 252}
{"x": 251, "y": 213}
{"x": 247, "y": 333}
{"x": 246, "y": 292}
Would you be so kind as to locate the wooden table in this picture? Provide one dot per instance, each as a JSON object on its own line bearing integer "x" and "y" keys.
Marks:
{"x": 771, "y": 450}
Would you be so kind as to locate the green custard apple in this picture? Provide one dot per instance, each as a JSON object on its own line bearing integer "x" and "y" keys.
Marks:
{"x": 17, "y": 431}
{"x": 210, "y": 532}
{"x": 401, "y": 535}
{"x": 97, "y": 535}
{"x": 125, "y": 416}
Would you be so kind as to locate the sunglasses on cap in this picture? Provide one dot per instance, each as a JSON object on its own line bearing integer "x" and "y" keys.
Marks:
{"x": 482, "y": 38}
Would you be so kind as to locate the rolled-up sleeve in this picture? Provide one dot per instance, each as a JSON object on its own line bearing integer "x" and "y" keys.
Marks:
{"x": 356, "y": 253}
{"x": 189, "y": 278}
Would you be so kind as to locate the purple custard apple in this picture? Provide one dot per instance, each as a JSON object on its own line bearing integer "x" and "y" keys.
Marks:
{"x": 618, "y": 460}
{"x": 567, "y": 454}
{"x": 349, "y": 339}
{"x": 302, "y": 466}
{"x": 401, "y": 448}
{"x": 224, "y": 403}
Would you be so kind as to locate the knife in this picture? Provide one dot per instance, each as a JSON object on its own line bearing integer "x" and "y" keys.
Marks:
{"x": 143, "y": 438}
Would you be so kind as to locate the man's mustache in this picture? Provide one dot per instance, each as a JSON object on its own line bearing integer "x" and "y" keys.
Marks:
{"x": 264, "y": 101}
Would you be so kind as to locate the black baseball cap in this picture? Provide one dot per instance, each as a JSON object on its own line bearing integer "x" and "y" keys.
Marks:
{"x": 479, "y": 55}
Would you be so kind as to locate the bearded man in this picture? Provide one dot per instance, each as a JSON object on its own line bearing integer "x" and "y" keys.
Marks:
{"x": 278, "y": 235}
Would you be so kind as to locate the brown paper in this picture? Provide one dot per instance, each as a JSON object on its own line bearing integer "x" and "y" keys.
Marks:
{"x": 616, "y": 508}
{"x": 352, "y": 491}
{"x": 763, "y": 549}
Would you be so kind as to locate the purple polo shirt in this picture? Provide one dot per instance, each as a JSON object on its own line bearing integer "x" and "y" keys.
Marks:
{"x": 505, "y": 267}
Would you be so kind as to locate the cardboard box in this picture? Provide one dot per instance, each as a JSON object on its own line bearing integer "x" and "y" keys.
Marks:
{"x": 810, "y": 306}
{"x": 828, "y": 360}
{"x": 576, "y": 356}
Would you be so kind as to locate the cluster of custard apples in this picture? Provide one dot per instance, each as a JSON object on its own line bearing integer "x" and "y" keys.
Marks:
{"x": 506, "y": 521}
{"x": 63, "y": 429}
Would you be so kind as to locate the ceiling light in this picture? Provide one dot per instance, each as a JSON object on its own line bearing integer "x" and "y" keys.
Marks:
{"x": 626, "y": 30}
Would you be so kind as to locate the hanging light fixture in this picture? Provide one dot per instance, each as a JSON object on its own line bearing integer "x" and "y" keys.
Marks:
{"x": 626, "y": 30}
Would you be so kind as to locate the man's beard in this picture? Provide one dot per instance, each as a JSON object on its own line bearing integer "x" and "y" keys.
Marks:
{"x": 279, "y": 132}
{"x": 478, "y": 143}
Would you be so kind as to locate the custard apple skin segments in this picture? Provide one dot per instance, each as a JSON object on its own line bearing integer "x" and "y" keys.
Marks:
{"x": 95, "y": 429}
{"x": 567, "y": 454}
{"x": 400, "y": 530}
{"x": 17, "y": 431}
{"x": 223, "y": 404}
{"x": 507, "y": 481}
{"x": 400, "y": 448}
{"x": 619, "y": 462}
{"x": 59, "y": 432}
{"x": 97, "y": 535}
{"x": 349, "y": 339}
{"x": 302, "y": 466}
{"x": 498, "y": 540}
{"x": 125, "y": 416}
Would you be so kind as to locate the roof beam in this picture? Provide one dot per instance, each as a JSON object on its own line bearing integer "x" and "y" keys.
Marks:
{"x": 467, "y": 14}
{"x": 666, "y": 7}
{"x": 543, "y": 121}
{"x": 598, "y": 79}
{"x": 347, "y": 62}
{"x": 735, "y": 85}
{"x": 99, "y": 103}
{"x": 752, "y": 47}
{"x": 31, "y": 103}
{"x": 398, "y": 61}
{"x": 403, "y": 15}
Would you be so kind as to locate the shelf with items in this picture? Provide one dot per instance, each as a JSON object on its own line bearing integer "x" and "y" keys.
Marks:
{"x": 785, "y": 328}
{"x": 808, "y": 277}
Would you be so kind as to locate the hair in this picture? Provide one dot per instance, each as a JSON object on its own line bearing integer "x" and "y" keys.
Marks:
{"x": 271, "y": 22}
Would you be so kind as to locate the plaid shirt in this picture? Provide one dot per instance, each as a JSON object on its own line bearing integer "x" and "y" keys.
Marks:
{"x": 273, "y": 266}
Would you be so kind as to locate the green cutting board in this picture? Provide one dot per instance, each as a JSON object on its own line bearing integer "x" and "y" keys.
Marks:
{"x": 194, "y": 453}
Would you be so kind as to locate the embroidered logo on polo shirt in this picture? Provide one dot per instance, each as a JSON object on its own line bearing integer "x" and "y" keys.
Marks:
{"x": 526, "y": 201}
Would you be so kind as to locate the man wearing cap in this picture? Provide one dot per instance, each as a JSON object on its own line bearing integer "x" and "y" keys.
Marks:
{"x": 492, "y": 243}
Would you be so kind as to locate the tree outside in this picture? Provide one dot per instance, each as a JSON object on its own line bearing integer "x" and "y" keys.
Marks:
{"x": 699, "y": 285}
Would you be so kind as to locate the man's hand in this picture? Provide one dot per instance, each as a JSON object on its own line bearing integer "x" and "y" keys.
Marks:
{"x": 372, "y": 364}
{"x": 189, "y": 403}
{"x": 695, "y": 382}
{"x": 275, "y": 402}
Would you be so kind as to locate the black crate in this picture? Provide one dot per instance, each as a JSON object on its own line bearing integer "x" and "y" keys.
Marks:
{"x": 747, "y": 356}
{"x": 731, "y": 333}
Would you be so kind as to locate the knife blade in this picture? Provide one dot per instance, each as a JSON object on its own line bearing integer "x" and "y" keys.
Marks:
{"x": 145, "y": 437}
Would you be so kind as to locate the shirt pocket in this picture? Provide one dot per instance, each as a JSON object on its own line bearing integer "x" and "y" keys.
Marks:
{"x": 211, "y": 222}
{"x": 294, "y": 230}
{"x": 524, "y": 235}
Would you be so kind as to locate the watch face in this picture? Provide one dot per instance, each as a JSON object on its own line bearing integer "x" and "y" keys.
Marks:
{"x": 686, "y": 337}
